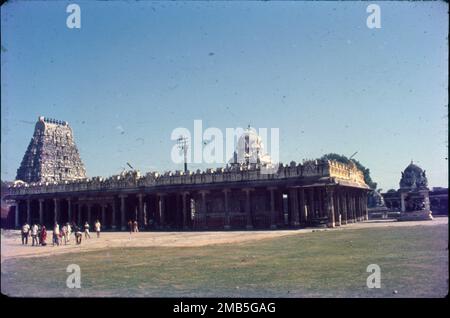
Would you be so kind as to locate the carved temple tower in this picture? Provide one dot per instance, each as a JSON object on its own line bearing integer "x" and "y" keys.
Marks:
{"x": 52, "y": 154}
{"x": 414, "y": 194}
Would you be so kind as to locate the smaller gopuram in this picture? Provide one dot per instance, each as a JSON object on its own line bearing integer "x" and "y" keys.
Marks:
{"x": 413, "y": 195}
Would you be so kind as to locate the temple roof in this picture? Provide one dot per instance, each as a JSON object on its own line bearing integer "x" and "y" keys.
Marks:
{"x": 413, "y": 168}
{"x": 413, "y": 177}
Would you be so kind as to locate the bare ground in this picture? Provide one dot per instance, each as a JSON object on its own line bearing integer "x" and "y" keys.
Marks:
{"x": 11, "y": 246}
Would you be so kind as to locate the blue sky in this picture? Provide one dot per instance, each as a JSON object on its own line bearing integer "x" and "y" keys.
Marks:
{"x": 137, "y": 70}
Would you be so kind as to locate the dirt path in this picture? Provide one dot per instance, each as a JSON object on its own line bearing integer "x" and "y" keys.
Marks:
{"x": 11, "y": 246}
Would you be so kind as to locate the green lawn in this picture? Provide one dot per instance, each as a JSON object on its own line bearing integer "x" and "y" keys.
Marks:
{"x": 413, "y": 261}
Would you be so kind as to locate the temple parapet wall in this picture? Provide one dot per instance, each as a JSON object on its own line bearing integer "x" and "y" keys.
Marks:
{"x": 348, "y": 172}
{"x": 133, "y": 179}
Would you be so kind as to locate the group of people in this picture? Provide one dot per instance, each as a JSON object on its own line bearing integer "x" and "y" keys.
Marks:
{"x": 38, "y": 234}
{"x": 62, "y": 234}
{"x": 133, "y": 226}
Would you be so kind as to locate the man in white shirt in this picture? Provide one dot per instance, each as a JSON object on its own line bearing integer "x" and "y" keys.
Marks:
{"x": 25, "y": 232}
{"x": 34, "y": 233}
{"x": 86, "y": 230}
{"x": 97, "y": 228}
{"x": 56, "y": 234}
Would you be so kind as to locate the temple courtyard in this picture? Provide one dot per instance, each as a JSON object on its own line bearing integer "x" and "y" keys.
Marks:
{"x": 310, "y": 262}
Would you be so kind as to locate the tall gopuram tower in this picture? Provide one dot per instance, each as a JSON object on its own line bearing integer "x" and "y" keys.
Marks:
{"x": 51, "y": 155}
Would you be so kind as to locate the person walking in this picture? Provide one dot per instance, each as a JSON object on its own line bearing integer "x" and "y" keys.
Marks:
{"x": 43, "y": 236}
{"x": 56, "y": 233}
{"x": 64, "y": 235}
{"x": 78, "y": 234}
{"x": 25, "y": 232}
{"x": 86, "y": 230}
{"x": 130, "y": 226}
{"x": 69, "y": 231}
{"x": 97, "y": 228}
{"x": 34, "y": 234}
{"x": 135, "y": 226}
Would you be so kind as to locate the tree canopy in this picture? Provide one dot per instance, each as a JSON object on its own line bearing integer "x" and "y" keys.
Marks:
{"x": 341, "y": 158}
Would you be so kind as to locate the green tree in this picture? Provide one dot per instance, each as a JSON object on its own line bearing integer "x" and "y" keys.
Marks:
{"x": 341, "y": 158}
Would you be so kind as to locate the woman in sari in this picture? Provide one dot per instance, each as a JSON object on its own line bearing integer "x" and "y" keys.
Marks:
{"x": 43, "y": 235}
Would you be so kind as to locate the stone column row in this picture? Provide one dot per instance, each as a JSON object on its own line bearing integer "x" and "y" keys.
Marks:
{"x": 345, "y": 206}
{"x": 247, "y": 206}
{"x": 56, "y": 211}
{"x": 339, "y": 205}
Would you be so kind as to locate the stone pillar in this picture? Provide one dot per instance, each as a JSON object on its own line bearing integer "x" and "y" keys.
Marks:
{"x": 359, "y": 206}
{"x": 41, "y": 211}
{"x": 248, "y": 211}
{"x": 293, "y": 198}
{"x": 279, "y": 202}
{"x": 103, "y": 215}
{"x": 16, "y": 212}
{"x": 329, "y": 203}
{"x": 145, "y": 214}
{"x": 302, "y": 212}
{"x": 178, "y": 198}
{"x": 322, "y": 198}
{"x": 123, "y": 221}
{"x": 203, "y": 213}
{"x": 203, "y": 203}
{"x": 363, "y": 210}
{"x": 113, "y": 220}
{"x": 349, "y": 207}
{"x": 56, "y": 213}
{"x": 89, "y": 218}
{"x": 162, "y": 208}
{"x": 311, "y": 210}
{"x": 365, "y": 213}
{"x": 80, "y": 206}
{"x": 402, "y": 201}
{"x": 141, "y": 210}
{"x": 366, "y": 210}
{"x": 184, "y": 209}
{"x": 273, "y": 212}
{"x": 69, "y": 210}
{"x": 337, "y": 209}
{"x": 344, "y": 208}
{"x": 29, "y": 211}
{"x": 227, "y": 211}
